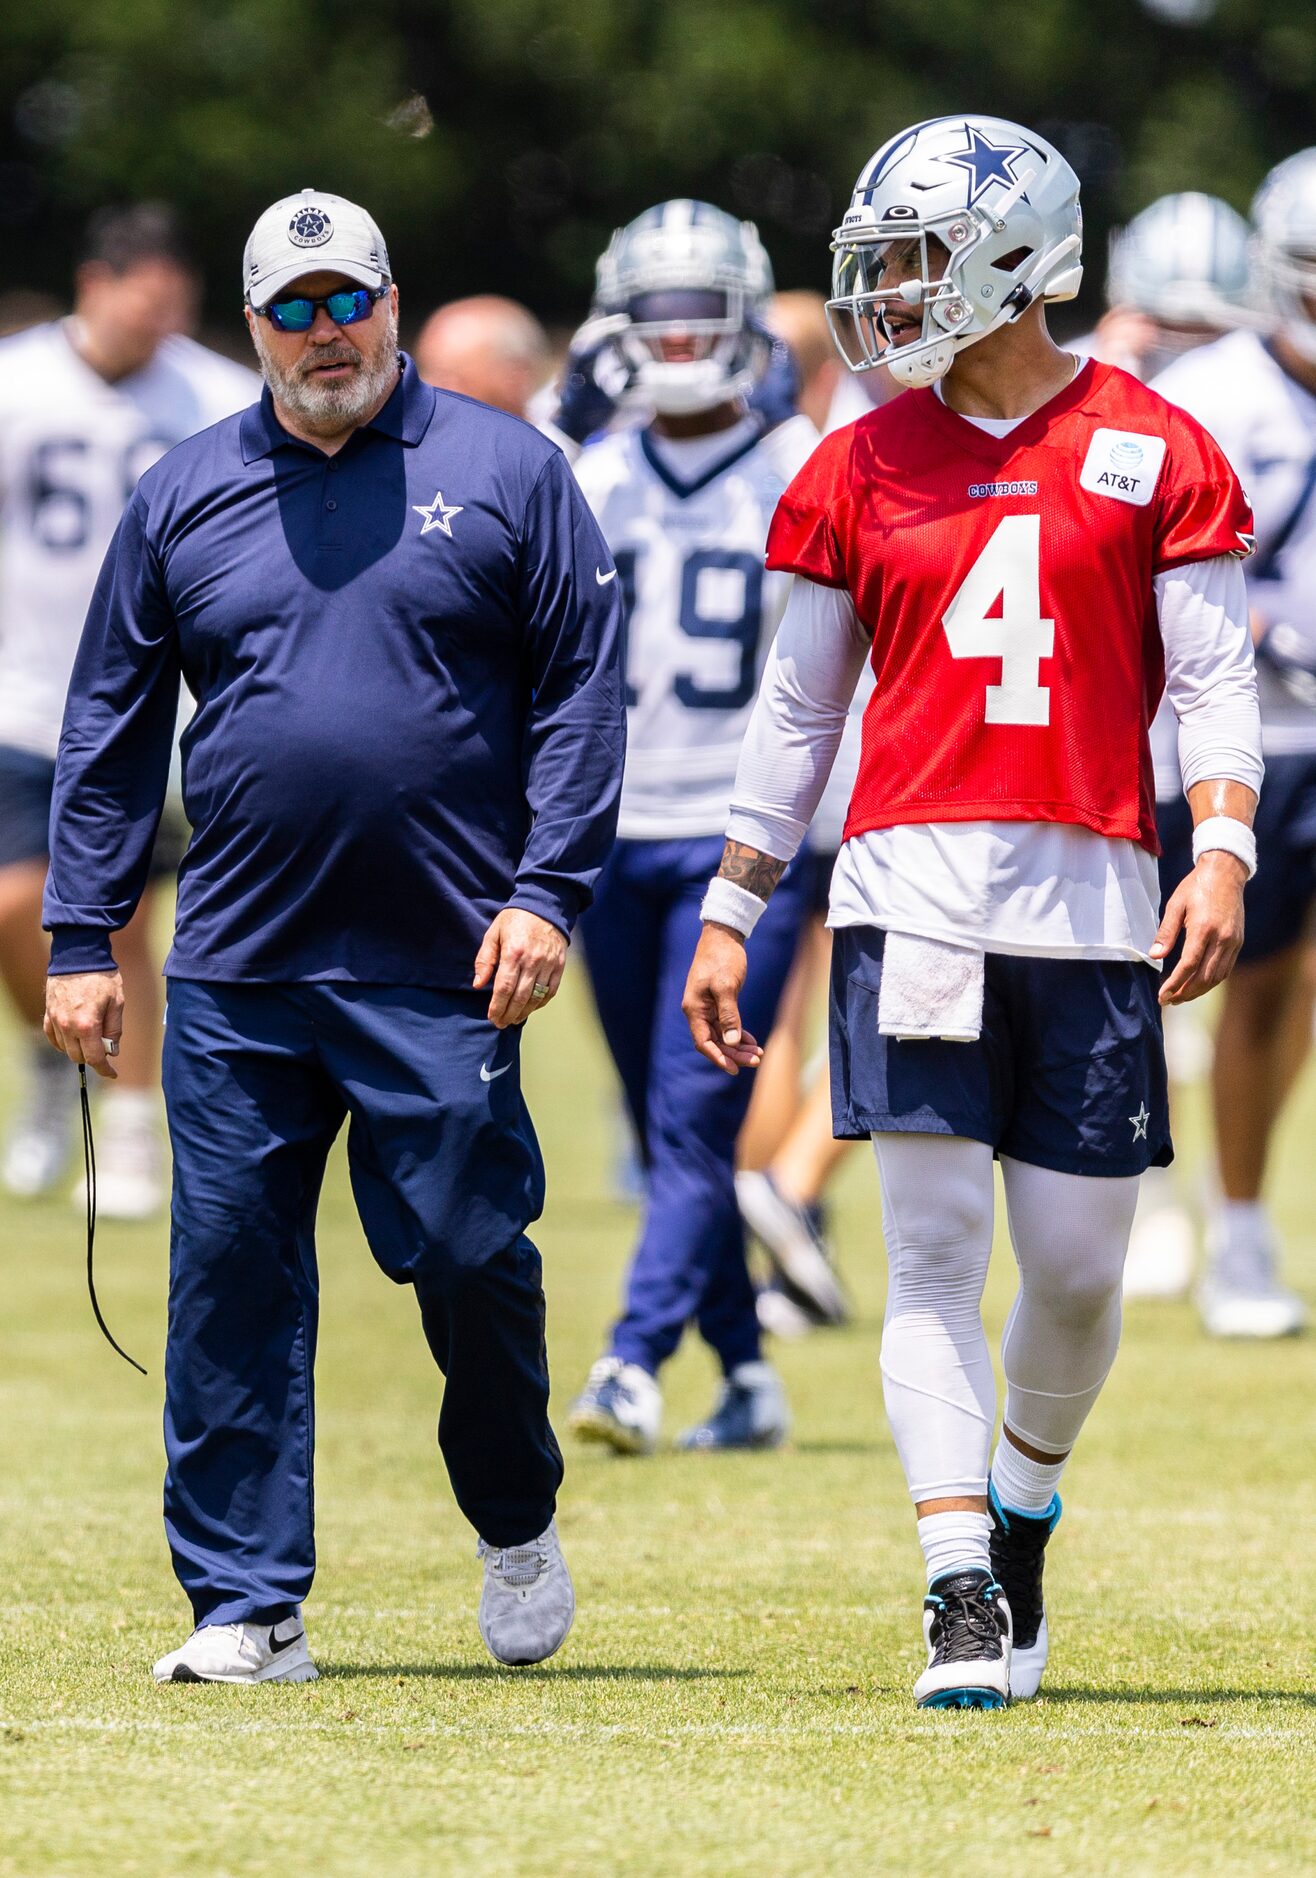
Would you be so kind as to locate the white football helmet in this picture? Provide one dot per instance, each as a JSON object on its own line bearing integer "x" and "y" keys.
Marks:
{"x": 686, "y": 275}
{"x": 1184, "y": 261}
{"x": 1000, "y": 200}
{"x": 1284, "y": 214}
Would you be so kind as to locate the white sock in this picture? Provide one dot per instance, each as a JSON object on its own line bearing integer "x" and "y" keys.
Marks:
{"x": 1242, "y": 1226}
{"x": 132, "y": 1108}
{"x": 955, "y": 1542}
{"x": 1024, "y": 1486}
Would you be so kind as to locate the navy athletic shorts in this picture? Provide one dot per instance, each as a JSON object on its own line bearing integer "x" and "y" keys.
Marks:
{"x": 817, "y": 866}
{"x": 1277, "y": 902}
{"x": 26, "y": 784}
{"x": 1069, "y": 1072}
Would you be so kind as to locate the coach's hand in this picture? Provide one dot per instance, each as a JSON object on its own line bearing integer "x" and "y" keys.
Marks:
{"x": 710, "y": 1002}
{"x": 1207, "y": 908}
{"x": 84, "y": 1012}
{"x": 519, "y": 952}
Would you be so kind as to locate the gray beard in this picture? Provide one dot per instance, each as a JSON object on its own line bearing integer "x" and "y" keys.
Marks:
{"x": 326, "y": 410}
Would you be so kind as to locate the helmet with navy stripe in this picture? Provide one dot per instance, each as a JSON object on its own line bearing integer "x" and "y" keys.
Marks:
{"x": 1284, "y": 215}
{"x": 688, "y": 286}
{"x": 955, "y": 227}
{"x": 1184, "y": 261}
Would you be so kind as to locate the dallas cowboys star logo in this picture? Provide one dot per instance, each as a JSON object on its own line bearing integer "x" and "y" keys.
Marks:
{"x": 439, "y": 514}
{"x": 1140, "y": 1121}
{"x": 987, "y": 162}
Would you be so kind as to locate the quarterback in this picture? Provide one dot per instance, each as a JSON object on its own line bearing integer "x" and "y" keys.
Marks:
{"x": 1028, "y": 548}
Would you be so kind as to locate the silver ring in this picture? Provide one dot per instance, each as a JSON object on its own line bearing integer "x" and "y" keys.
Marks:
{"x": 111, "y": 1045}
{"x": 540, "y": 991}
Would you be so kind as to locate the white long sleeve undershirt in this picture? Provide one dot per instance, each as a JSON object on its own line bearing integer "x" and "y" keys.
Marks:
{"x": 1042, "y": 889}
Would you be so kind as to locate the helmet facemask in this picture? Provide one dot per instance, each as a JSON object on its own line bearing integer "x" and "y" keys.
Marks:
{"x": 716, "y": 355}
{"x": 919, "y": 268}
{"x": 1291, "y": 276}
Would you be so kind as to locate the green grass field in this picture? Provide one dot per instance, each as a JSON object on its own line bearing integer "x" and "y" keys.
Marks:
{"x": 735, "y": 1697}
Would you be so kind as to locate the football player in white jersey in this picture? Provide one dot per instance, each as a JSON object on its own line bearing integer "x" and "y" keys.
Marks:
{"x": 684, "y": 501}
{"x": 1257, "y": 396}
{"x": 86, "y": 405}
{"x": 787, "y": 1151}
{"x": 1179, "y": 275}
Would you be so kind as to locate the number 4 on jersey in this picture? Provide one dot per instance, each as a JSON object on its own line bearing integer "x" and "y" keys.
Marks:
{"x": 1009, "y": 569}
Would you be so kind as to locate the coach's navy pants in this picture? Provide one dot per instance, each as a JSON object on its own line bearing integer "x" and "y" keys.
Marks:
{"x": 640, "y": 936}
{"x": 446, "y": 1173}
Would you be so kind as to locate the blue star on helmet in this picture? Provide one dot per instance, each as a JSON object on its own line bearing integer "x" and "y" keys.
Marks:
{"x": 987, "y": 162}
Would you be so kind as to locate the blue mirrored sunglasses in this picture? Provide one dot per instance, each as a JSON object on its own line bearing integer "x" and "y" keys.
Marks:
{"x": 345, "y": 308}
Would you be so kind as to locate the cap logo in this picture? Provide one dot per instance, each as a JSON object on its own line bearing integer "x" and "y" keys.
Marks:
{"x": 310, "y": 228}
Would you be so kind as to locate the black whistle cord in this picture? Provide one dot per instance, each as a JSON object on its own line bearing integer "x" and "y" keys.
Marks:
{"x": 89, "y": 1161}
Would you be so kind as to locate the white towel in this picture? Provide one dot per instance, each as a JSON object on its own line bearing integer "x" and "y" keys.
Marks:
{"x": 930, "y": 989}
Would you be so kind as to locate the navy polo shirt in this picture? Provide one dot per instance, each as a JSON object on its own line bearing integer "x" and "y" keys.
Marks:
{"x": 408, "y": 699}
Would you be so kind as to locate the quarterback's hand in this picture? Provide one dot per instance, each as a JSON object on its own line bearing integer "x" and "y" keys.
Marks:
{"x": 520, "y": 952}
{"x": 594, "y": 378}
{"x": 711, "y": 990}
{"x": 84, "y": 1012}
{"x": 1207, "y": 908}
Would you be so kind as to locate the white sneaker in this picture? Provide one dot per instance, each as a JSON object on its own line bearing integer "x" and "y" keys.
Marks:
{"x": 528, "y": 1602}
{"x": 792, "y": 1243}
{"x": 621, "y": 1405}
{"x": 130, "y": 1164}
{"x": 1162, "y": 1244}
{"x": 969, "y": 1638}
{"x": 42, "y": 1133}
{"x": 241, "y": 1653}
{"x": 1253, "y": 1304}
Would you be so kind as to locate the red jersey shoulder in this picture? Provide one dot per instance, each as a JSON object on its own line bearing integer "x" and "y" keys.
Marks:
{"x": 812, "y": 517}
{"x": 1199, "y": 508}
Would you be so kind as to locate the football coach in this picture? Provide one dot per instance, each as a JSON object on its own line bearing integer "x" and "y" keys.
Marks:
{"x": 400, "y": 626}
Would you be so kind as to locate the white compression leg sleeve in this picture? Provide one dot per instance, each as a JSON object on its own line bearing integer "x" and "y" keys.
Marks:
{"x": 1070, "y": 1235}
{"x": 936, "y": 1368}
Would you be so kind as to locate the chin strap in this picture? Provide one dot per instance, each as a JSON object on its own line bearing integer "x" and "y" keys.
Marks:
{"x": 89, "y": 1162}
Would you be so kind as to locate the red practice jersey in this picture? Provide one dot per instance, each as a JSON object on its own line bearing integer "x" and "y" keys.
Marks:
{"x": 1007, "y": 583}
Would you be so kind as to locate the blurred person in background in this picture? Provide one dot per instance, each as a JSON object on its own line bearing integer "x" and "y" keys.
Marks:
{"x": 86, "y": 405}
{"x": 684, "y": 498}
{"x": 1179, "y": 276}
{"x": 1257, "y": 396}
{"x": 487, "y": 348}
{"x": 787, "y": 1151}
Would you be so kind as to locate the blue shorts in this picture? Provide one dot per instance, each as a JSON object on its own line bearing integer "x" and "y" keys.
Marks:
{"x": 1277, "y": 902}
{"x": 27, "y": 782}
{"x": 1069, "y": 1072}
{"x": 817, "y": 865}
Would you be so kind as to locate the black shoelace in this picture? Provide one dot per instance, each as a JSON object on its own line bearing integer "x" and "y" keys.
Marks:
{"x": 89, "y": 1162}
{"x": 969, "y": 1629}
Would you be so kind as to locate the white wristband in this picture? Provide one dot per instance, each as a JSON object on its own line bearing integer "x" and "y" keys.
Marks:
{"x": 1225, "y": 832}
{"x": 732, "y": 906}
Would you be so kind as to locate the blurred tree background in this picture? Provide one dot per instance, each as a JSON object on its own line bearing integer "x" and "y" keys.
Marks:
{"x": 499, "y": 141}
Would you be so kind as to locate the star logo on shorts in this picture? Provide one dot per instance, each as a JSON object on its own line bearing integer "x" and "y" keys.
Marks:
{"x": 1140, "y": 1121}
{"x": 439, "y": 514}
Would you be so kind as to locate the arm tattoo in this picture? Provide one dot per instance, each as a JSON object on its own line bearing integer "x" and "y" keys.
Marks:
{"x": 759, "y": 873}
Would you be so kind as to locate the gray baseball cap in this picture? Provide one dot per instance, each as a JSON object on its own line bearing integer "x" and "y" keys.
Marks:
{"x": 309, "y": 234}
